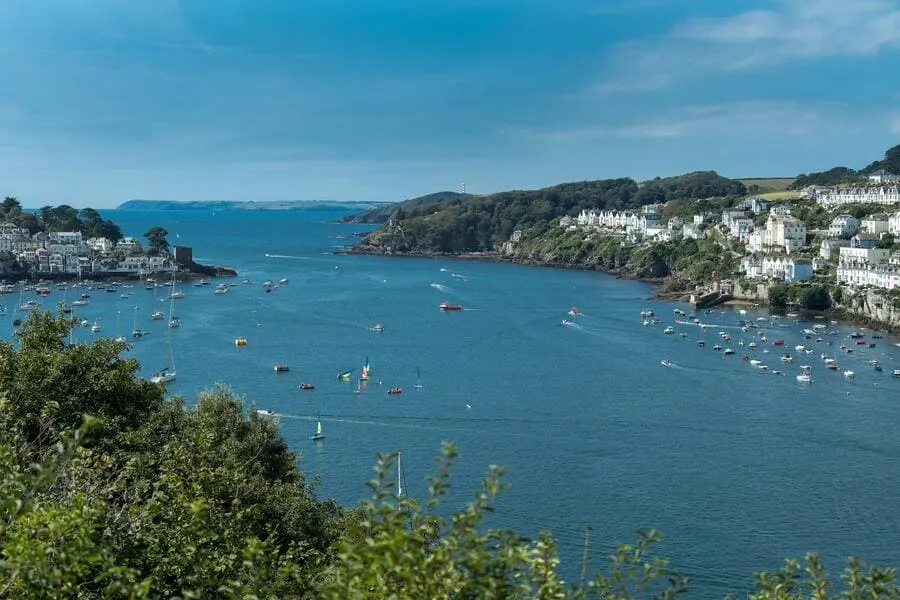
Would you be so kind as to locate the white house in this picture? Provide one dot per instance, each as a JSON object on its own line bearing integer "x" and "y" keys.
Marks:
{"x": 783, "y": 268}
{"x": 881, "y": 194}
{"x": 880, "y": 276}
{"x": 741, "y": 228}
{"x": 786, "y": 233}
{"x": 864, "y": 256}
{"x": 129, "y": 244}
{"x": 875, "y": 224}
{"x": 829, "y": 247}
{"x": 881, "y": 177}
{"x": 894, "y": 223}
{"x": 728, "y": 216}
{"x": 100, "y": 244}
{"x": 843, "y": 225}
{"x": 781, "y": 210}
{"x": 692, "y": 231}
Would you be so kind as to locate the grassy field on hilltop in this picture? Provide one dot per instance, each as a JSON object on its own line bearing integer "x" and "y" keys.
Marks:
{"x": 769, "y": 184}
{"x": 785, "y": 195}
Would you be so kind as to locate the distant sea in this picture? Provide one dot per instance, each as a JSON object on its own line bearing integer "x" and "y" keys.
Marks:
{"x": 738, "y": 467}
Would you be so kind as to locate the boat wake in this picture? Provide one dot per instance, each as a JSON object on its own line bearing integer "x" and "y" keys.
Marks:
{"x": 440, "y": 287}
{"x": 288, "y": 256}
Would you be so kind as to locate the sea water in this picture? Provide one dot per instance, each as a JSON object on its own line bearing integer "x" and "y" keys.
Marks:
{"x": 738, "y": 467}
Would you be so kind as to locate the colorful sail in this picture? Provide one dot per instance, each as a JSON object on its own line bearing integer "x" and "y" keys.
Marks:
{"x": 364, "y": 375}
{"x": 345, "y": 375}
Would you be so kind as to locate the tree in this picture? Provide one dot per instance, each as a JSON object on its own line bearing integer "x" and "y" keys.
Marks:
{"x": 886, "y": 241}
{"x": 156, "y": 239}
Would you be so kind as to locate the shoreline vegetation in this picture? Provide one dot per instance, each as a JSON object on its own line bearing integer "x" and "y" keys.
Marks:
{"x": 24, "y": 229}
{"x": 111, "y": 490}
{"x": 538, "y": 228}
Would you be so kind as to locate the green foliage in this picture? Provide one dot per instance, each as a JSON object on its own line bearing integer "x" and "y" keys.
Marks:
{"x": 890, "y": 162}
{"x": 832, "y": 176}
{"x": 886, "y": 241}
{"x": 209, "y": 503}
{"x": 778, "y": 295}
{"x": 399, "y": 210}
{"x": 483, "y": 223}
{"x": 156, "y": 239}
{"x": 88, "y": 221}
{"x": 812, "y": 296}
{"x": 700, "y": 184}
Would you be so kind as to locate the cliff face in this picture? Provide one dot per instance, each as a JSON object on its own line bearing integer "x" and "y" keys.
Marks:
{"x": 872, "y": 308}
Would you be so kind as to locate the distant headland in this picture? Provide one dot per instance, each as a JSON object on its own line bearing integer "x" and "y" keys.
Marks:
{"x": 159, "y": 205}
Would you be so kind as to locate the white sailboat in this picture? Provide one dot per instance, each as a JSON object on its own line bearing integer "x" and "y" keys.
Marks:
{"x": 174, "y": 322}
{"x": 167, "y": 373}
{"x": 136, "y": 332}
{"x": 318, "y": 436}
{"x": 119, "y": 336}
{"x": 400, "y": 477}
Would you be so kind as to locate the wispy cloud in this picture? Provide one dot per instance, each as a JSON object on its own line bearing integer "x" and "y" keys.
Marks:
{"x": 787, "y": 31}
{"x": 732, "y": 120}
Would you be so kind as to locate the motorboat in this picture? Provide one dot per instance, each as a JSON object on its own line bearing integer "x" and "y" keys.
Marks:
{"x": 157, "y": 315}
{"x": 240, "y": 341}
{"x": 447, "y": 307}
{"x": 378, "y": 328}
{"x": 787, "y": 358}
{"x": 666, "y": 363}
{"x": 669, "y": 330}
{"x": 265, "y": 413}
{"x": 804, "y": 378}
{"x": 95, "y": 328}
{"x": 307, "y": 386}
{"x": 849, "y": 374}
{"x": 728, "y": 351}
{"x": 281, "y": 368}
{"x": 574, "y": 311}
{"x": 395, "y": 390}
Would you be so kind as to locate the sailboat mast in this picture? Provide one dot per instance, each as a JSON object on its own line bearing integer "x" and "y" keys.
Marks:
{"x": 399, "y": 476}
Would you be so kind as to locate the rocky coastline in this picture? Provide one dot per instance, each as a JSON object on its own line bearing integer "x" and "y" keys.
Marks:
{"x": 192, "y": 271}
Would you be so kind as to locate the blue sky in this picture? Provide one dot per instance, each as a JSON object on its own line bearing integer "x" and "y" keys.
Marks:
{"x": 107, "y": 100}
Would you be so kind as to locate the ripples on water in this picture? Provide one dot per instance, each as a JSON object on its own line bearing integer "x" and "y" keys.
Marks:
{"x": 738, "y": 468}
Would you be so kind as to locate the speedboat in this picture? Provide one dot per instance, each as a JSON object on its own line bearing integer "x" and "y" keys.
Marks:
{"x": 157, "y": 315}
{"x": 265, "y": 413}
{"x": 787, "y": 358}
{"x": 669, "y": 330}
{"x": 307, "y": 386}
{"x": 895, "y": 373}
{"x": 666, "y": 363}
{"x": 395, "y": 390}
{"x": 849, "y": 374}
{"x": 728, "y": 351}
{"x": 804, "y": 378}
{"x": 378, "y": 328}
{"x": 281, "y": 368}
{"x": 574, "y": 311}
{"x": 447, "y": 307}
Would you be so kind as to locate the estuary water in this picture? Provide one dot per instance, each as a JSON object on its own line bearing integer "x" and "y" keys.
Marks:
{"x": 737, "y": 466}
